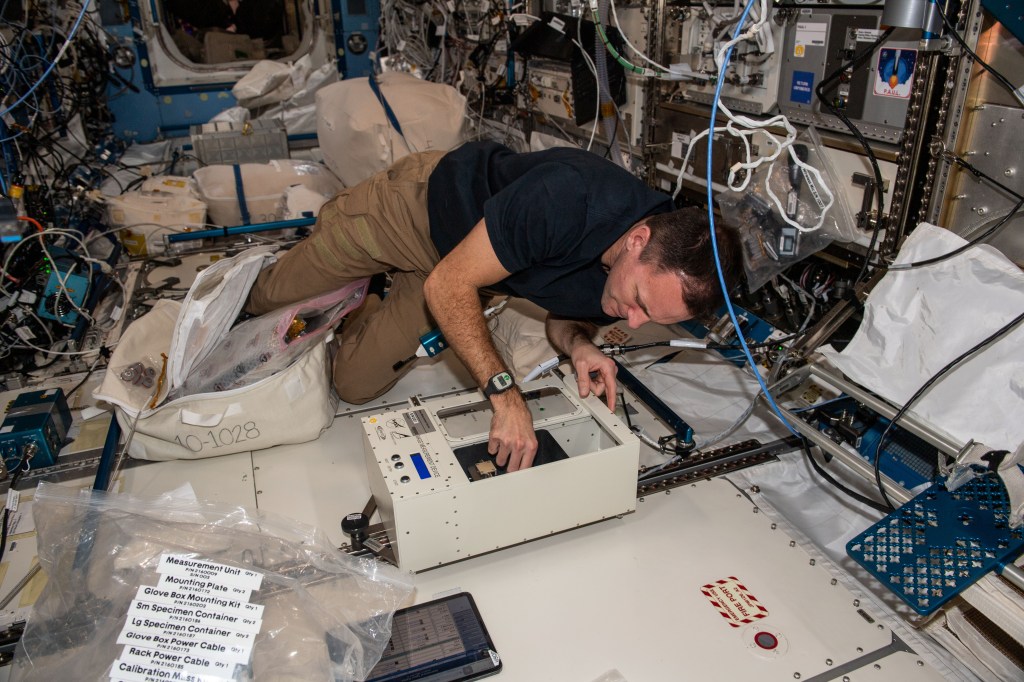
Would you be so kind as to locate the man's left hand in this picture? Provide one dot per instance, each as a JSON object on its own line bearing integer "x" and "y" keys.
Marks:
{"x": 595, "y": 372}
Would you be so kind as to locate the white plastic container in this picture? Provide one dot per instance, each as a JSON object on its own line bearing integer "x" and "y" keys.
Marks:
{"x": 147, "y": 218}
{"x": 170, "y": 184}
{"x": 263, "y": 186}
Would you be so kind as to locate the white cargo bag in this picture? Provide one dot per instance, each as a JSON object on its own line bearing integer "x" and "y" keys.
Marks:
{"x": 253, "y": 193}
{"x": 356, "y": 137}
{"x": 293, "y": 406}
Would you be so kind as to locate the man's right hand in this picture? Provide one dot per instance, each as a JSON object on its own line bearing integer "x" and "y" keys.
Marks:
{"x": 512, "y": 438}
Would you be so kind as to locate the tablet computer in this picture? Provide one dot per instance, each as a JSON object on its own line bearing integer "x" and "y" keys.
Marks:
{"x": 443, "y": 640}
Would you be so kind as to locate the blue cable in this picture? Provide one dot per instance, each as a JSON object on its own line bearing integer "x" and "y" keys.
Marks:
{"x": 53, "y": 64}
{"x": 510, "y": 59}
{"x": 711, "y": 217}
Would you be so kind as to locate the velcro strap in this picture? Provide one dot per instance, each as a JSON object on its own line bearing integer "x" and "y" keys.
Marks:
{"x": 240, "y": 193}
{"x": 387, "y": 107}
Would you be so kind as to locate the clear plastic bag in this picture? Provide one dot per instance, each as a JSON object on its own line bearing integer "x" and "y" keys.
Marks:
{"x": 141, "y": 379}
{"x": 97, "y": 549}
{"x": 768, "y": 246}
{"x": 265, "y": 345}
{"x": 810, "y": 196}
{"x": 789, "y": 210}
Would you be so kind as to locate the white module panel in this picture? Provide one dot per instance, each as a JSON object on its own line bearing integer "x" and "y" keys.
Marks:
{"x": 752, "y": 79}
{"x": 442, "y": 498}
{"x": 550, "y": 89}
{"x": 695, "y": 586}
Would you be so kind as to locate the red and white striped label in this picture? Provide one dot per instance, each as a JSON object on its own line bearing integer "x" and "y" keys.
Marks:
{"x": 734, "y": 601}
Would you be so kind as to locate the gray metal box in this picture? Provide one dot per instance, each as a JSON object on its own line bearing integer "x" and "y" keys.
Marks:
{"x": 231, "y": 143}
{"x": 875, "y": 100}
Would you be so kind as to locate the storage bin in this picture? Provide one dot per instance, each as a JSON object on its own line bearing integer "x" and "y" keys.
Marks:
{"x": 146, "y": 219}
{"x": 262, "y": 185}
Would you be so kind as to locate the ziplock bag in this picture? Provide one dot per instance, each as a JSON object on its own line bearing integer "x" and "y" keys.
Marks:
{"x": 318, "y": 614}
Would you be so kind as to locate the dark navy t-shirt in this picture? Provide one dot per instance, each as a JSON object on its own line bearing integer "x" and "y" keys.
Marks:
{"x": 550, "y": 215}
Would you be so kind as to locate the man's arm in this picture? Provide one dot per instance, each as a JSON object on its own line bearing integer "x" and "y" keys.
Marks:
{"x": 573, "y": 338}
{"x": 452, "y": 292}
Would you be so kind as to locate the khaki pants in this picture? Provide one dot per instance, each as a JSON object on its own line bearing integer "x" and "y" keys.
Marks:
{"x": 380, "y": 225}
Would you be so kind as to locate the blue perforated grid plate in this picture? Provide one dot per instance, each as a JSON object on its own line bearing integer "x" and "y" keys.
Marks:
{"x": 940, "y": 542}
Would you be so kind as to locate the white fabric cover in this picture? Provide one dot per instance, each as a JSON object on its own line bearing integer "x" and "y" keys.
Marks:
{"x": 271, "y": 81}
{"x": 354, "y": 133}
{"x": 916, "y": 321}
{"x": 293, "y": 406}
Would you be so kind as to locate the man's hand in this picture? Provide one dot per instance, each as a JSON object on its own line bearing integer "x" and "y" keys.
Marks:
{"x": 453, "y": 293}
{"x": 512, "y": 438}
{"x": 595, "y": 372}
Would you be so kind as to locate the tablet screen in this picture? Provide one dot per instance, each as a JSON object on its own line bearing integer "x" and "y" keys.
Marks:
{"x": 438, "y": 641}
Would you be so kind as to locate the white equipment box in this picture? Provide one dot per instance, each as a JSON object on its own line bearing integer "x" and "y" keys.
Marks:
{"x": 442, "y": 499}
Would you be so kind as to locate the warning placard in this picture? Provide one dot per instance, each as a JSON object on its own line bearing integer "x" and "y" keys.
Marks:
{"x": 734, "y": 601}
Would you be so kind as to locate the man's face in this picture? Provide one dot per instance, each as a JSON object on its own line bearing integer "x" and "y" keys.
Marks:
{"x": 639, "y": 292}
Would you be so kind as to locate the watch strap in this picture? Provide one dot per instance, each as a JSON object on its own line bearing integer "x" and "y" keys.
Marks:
{"x": 499, "y": 383}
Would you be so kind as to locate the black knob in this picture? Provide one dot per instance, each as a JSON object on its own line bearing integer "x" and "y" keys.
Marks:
{"x": 355, "y": 525}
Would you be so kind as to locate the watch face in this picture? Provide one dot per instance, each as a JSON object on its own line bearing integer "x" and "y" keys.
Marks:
{"x": 501, "y": 381}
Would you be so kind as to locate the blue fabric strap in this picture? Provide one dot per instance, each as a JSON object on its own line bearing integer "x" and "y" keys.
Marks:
{"x": 387, "y": 107}
{"x": 240, "y": 193}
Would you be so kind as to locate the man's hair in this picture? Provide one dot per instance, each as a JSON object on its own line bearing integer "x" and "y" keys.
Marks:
{"x": 681, "y": 242}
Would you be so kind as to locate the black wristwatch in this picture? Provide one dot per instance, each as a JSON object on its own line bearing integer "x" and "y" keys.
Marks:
{"x": 499, "y": 383}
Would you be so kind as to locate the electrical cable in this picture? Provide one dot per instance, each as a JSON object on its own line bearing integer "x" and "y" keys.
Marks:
{"x": 630, "y": 45}
{"x": 30, "y": 346}
{"x": 995, "y": 336}
{"x": 26, "y": 456}
{"x": 1003, "y": 80}
{"x": 773, "y": 375}
{"x": 978, "y": 173}
{"x": 92, "y": 368}
{"x": 711, "y": 218}
{"x": 625, "y": 63}
{"x": 53, "y": 64}
{"x": 638, "y": 431}
{"x": 729, "y": 430}
{"x": 974, "y": 240}
{"x": 593, "y": 69}
{"x": 745, "y": 129}
{"x": 857, "y": 60}
{"x": 33, "y": 221}
{"x": 863, "y": 499}
{"x": 960, "y": 249}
